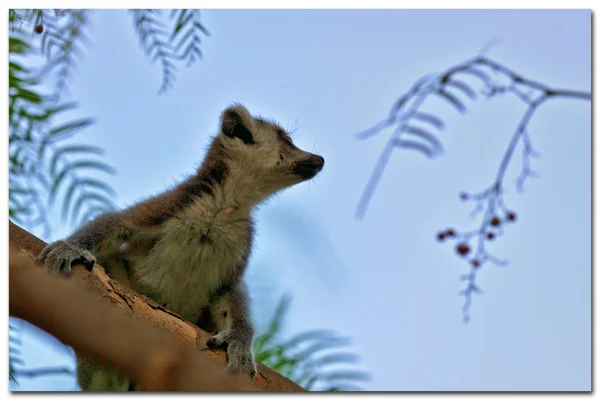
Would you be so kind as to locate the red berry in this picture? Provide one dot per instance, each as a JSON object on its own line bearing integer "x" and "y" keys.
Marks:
{"x": 511, "y": 216}
{"x": 39, "y": 29}
{"x": 464, "y": 196}
{"x": 450, "y": 233}
{"x": 495, "y": 221}
{"x": 490, "y": 235}
{"x": 475, "y": 263}
{"x": 441, "y": 236}
{"x": 463, "y": 249}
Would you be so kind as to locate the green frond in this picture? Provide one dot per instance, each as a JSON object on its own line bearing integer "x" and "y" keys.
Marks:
{"x": 67, "y": 130}
{"x": 93, "y": 211}
{"x": 316, "y": 334}
{"x": 88, "y": 197}
{"x": 62, "y": 151}
{"x": 346, "y": 376}
{"x": 187, "y": 35}
{"x": 38, "y": 168}
{"x": 167, "y": 45}
{"x": 307, "y": 357}
{"x": 64, "y": 33}
{"x": 14, "y": 349}
{"x": 87, "y": 183}
{"x": 154, "y": 43}
{"x": 17, "y": 46}
{"x": 337, "y": 358}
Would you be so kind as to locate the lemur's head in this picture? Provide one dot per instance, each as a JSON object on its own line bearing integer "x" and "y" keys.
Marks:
{"x": 262, "y": 149}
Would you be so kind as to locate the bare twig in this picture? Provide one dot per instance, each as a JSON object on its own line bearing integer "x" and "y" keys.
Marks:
{"x": 406, "y": 111}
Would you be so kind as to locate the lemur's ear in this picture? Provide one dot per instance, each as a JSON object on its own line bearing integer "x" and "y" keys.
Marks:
{"x": 234, "y": 123}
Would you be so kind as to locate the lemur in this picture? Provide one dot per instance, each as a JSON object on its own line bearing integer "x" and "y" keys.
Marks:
{"x": 188, "y": 247}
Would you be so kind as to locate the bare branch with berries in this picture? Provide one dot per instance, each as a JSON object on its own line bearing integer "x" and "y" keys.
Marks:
{"x": 411, "y": 130}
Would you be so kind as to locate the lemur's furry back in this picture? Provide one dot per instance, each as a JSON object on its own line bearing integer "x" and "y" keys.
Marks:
{"x": 188, "y": 247}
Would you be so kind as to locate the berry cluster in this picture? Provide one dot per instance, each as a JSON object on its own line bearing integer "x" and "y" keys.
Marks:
{"x": 490, "y": 231}
{"x": 470, "y": 245}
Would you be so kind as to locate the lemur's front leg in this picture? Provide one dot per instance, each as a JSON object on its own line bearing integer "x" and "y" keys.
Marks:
{"x": 61, "y": 255}
{"x": 236, "y": 333}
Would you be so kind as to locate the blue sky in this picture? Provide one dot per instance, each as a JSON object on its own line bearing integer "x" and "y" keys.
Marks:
{"x": 384, "y": 280}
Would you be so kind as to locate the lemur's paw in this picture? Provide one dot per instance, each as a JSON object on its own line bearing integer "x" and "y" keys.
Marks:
{"x": 240, "y": 359}
{"x": 60, "y": 256}
{"x": 219, "y": 341}
{"x": 239, "y": 354}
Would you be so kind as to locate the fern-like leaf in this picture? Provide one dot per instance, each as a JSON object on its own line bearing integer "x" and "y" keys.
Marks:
{"x": 414, "y": 145}
{"x": 429, "y": 118}
{"x": 305, "y": 356}
{"x": 463, "y": 87}
{"x": 426, "y": 136}
{"x": 182, "y": 43}
{"x": 477, "y": 73}
{"x": 153, "y": 40}
{"x": 460, "y": 107}
{"x": 32, "y": 144}
{"x": 64, "y": 32}
{"x": 186, "y": 33}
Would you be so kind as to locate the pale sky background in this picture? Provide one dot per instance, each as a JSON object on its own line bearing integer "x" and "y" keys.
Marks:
{"x": 384, "y": 281}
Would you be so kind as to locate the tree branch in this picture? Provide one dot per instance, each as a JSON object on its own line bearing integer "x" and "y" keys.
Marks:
{"x": 150, "y": 357}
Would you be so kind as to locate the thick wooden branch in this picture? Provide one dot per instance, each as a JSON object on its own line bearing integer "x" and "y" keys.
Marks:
{"x": 101, "y": 285}
{"x": 149, "y": 356}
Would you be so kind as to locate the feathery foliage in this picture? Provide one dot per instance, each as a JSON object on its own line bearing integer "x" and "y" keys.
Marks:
{"x": 309, "y": 358}
{"x": 14, "y": 350}
{"x": 62, "y": 44}
{"x": 40, "y": 165}
{"x": 179, "y": 42}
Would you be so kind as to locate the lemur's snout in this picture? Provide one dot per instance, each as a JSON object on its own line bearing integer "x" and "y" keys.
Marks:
{"x": 309, "y": 167}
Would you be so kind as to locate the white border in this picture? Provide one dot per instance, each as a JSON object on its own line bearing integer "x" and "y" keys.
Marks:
{"x": 312, "y": 4}
{"x": 421, "y": 4}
